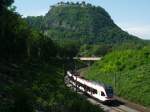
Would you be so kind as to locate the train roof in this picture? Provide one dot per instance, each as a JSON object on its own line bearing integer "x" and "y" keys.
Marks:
{"x": 106, "y": 86}
{"x": 96, "y": 83}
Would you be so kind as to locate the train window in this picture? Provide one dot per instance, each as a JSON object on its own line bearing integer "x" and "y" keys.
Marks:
{"x": 102, "y": 93}
{"x": 109, "y": 92}
{"x": 94, "y": 91}
{"x": 88, "y": 89}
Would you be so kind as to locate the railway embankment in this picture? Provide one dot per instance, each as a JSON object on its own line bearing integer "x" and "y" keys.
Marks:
{"x": 127, "y": 71}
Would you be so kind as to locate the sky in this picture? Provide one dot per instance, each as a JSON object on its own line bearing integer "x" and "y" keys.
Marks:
{"x": 131, "y": 15}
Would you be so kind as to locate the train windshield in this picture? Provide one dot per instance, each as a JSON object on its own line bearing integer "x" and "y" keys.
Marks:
{"x": 109, "y": 91}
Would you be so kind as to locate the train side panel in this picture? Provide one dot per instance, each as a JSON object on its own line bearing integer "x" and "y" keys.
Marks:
{"x": 94, "y": 90}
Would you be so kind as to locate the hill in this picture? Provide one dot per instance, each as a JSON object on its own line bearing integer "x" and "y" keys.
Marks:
{"x": 128, "y": 72}
{"x": 81, "y": 22}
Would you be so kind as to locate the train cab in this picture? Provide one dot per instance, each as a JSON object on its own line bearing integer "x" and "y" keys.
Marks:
{"x": 106, "y": 94}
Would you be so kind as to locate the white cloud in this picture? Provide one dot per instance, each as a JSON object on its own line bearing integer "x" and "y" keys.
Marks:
{"x": 142, "y": 31}
{"x": 35, "y": 13}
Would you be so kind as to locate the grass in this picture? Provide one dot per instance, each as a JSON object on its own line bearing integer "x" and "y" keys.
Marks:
{"x": 130, "y": 69}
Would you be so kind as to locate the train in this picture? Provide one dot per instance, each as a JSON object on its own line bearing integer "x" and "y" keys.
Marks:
{"x": 100, "y": 91}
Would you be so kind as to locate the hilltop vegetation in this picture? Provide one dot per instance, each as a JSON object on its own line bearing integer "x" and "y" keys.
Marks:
{"x": 31, "y": 79}
{"x": 128, "y": 72}
{"x": 83, "y": 23}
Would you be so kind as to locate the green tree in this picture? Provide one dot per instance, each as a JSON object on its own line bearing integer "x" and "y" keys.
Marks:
{"x": 5, "y": 3}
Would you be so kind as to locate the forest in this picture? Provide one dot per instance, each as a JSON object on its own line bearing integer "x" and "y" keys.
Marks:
{"x": 31, "y": 76}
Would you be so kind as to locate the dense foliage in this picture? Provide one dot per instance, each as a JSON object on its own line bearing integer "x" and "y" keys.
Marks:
{"x": 128, "y": 72}
{"x": 19, "y": 42}
{"x": 28, "y": 87}
{"x": 36, "y": 22}
{"x": 94, "y": 50}
{"x": 31, "y": 79}
{"x": 5, "y": 3}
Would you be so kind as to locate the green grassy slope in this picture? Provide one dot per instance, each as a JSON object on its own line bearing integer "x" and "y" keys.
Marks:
{"x": 131, "y": 69}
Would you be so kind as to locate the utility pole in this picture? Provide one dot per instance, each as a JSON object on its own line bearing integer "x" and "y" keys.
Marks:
{"x": 115, "y": 81}
{"x": 76, "y": 84}
{"x": 75, "y": 73}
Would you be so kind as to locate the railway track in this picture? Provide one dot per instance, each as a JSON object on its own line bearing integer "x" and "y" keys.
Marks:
{"x": 115, "y": 106}
{"x": 110, "y": 107}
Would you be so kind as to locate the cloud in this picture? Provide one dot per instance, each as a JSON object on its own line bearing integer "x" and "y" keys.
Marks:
{"x": 142, "y": 31}
{"x": 35, "y": 13}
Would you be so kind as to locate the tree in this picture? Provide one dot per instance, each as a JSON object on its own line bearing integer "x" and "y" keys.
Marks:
{"x": 77, "y": 3}
{"x": 83, "y": 3}
{"x": 89, "y": 5}
{"x": 5, "y": 3}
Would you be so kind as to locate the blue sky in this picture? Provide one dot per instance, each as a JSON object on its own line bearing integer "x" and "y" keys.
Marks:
{"x": 131, "y": 15}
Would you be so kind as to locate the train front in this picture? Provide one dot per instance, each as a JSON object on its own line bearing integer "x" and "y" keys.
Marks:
{"x": 109, "y": 94}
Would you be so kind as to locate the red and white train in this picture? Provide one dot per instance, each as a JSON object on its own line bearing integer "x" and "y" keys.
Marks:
{"x": 99, "y": 91}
